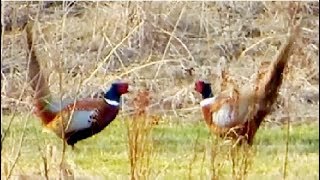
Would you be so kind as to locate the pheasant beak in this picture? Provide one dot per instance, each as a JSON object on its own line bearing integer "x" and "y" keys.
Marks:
{"x": 129, "y": 89}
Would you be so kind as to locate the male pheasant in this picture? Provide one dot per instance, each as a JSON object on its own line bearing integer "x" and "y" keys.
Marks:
{"x": 239, "y": 113}
{"x": 77, "y": 120}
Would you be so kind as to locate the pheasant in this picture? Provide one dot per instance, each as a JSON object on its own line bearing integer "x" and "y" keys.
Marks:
{"x": 76, "y": 120}
{"x": 239, "y": 113}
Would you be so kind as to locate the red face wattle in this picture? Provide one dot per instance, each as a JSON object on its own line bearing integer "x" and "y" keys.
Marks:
{"x": 199, "y": 86}
{"x": 123, "y": 88}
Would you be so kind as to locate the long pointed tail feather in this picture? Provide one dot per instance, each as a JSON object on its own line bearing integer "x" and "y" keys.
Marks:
{"x": 37, "y": 81}
{"x": 268, "y": 87}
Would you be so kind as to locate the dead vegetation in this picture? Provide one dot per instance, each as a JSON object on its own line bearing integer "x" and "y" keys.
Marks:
{"x": 140, "y": 127}
{"x": 155, "y": 45}
{"x": 163, "y": 47}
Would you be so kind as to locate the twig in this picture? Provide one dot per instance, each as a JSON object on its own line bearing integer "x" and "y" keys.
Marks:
{"x": 19, "y": 148}
{"x": 285, "y": 163}
{"x": 179, "y": 40}
{"x": 116, "y": 53}
{"x": 256, "y": 44}
{"x": 131, "y": 70}
{"x": 13, "y": 115}
{"x": 61, "y": 95}
{"x": 45, "y": 163}
{"x": 169, "y": 41}
{"x": 193, "y": 160}
{"x": 110, "y": 53}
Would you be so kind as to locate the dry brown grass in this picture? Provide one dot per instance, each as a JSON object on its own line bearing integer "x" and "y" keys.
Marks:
{"x": 139, "y": 137}
{"x": 102, "y": 41}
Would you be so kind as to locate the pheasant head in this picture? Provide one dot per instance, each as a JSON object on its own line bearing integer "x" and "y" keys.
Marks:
{"x": 113, "y": 95}
{"x": 204, "y": 88}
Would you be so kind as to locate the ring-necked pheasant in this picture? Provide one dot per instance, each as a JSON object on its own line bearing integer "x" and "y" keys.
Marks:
{"x": 77, "y": 120}
{"x": 239, "y": 113}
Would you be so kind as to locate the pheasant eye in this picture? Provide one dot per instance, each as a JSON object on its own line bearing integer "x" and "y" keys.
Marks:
{"x": 123, "y": 88}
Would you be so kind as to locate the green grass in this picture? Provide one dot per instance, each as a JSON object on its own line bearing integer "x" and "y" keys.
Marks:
{"x": 174, "y": 151}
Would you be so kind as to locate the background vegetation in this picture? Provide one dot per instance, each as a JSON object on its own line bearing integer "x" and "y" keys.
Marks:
{"x": 162, "y": 47}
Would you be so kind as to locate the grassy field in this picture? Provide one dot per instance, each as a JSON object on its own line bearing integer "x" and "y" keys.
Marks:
{"x": 179, "y": 150}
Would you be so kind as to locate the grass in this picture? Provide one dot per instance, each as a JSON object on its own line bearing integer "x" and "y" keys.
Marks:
{"x": 174, "y": 152}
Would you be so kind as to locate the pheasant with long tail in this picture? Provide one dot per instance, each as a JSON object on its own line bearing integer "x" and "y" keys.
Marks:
{"x": 239, "y": 113}
{"x": 76, "y": 120}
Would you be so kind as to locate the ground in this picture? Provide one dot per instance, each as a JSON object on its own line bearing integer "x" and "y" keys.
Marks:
{"x": 175, "y": 148}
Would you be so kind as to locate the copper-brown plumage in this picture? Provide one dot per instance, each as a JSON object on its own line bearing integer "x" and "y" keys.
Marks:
{"x": 38, "y": 82}
{"x": 76, "y": 120}
{"x": 103, "y": 115}
{"x": 240, "y": 112}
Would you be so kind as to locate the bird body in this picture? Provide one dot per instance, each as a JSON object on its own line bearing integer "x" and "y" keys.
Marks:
{"x": 225, "y": 111}
{"x": 238, "y": 113}
{"x": 91, "y": 115}
{"x": 74, "y": 120}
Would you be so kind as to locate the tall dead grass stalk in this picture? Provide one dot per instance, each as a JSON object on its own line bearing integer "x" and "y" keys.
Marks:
{"x": 287, "y": 136}
{"x": 292, "y": 10}
{"x": 18, "y": 155}
{"x": 241, "y": 158}
{"x": 139, "y": 137}
{"x": 194, "y": 156}
{"x": 215, "y": 151}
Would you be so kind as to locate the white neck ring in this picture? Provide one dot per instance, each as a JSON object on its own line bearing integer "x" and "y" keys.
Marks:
{"x": 112, "y": 102}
